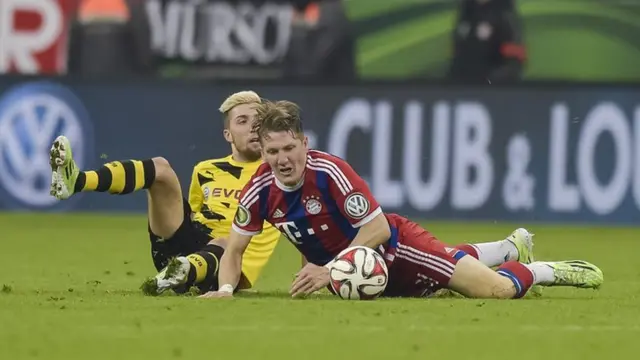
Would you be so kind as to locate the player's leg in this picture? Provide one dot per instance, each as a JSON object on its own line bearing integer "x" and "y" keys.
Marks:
{"x": 199, "y": 269}
{"x": 513, "y": 279}
{"x": 118, "y": 177}
{"x": 170, "y": 229}
{"x": 422, "y": 264}
{"x": 165, "y": 202}
{"x": 516, "y": 247}
{"x": 184, "y": 255}
{"x": 123, "y": 177}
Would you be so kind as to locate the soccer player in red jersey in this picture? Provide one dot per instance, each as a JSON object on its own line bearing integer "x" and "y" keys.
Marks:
{"x": 323, "y": 206}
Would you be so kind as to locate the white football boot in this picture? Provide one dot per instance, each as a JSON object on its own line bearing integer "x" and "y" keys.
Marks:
{"x": 172, "y": 276}
{"x": 64, "y": 171}
{"x": 523, "y": 241}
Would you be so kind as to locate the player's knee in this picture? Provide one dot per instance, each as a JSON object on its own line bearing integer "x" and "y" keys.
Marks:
{"x": 495, "y": 287}
{"x": 503, "y": 288}
{"x": 473, "y": 279}
{"x": 164, "y": 171}
{"x": 490, "y": 288}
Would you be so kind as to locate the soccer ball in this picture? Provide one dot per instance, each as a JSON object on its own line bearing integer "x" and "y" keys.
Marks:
{"x": 358, "y": 273}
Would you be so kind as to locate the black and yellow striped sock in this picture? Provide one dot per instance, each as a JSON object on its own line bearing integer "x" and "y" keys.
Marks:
{"x": 118, "y": 177}
{"x": 204, "y": 266}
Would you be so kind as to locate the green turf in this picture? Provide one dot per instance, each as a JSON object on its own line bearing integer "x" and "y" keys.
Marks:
{"x": 71, "y": 293}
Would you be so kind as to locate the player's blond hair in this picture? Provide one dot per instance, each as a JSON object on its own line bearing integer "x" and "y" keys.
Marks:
{"x": 239, "y": 98}
{"x": 278, "y": 116}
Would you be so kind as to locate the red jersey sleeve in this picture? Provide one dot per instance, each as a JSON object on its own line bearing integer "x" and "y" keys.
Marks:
{"x": 248, "y": 220}
{"x": 349, "y": 190}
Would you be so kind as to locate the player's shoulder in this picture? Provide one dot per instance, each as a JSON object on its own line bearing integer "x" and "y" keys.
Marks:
{"x": 210, "y": 164}
{"x": 263, "y": 170}
{"x": 228, "y": 165}
{"x": 322, "y": 161}
{"x": 325, "y": 158}
{"x": 262, "y": 177}
{"x": 336, "y": 168}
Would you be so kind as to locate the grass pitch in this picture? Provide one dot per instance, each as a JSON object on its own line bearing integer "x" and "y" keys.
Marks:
{"x": 69, "y": 290}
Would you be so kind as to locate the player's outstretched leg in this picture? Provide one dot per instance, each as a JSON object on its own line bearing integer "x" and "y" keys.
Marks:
{"x": 513, "y": 279}
{"x": 170, "y": 228}
{"x": 422, "y": 264}
{"x": 518, "y": 246}
{"x": 122, "y": 177}
{"x": 118, "y": 177}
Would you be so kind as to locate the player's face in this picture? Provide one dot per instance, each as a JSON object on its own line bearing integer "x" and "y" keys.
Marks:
{"x": 239, "y": 133}
{"x": 286, "y": 154}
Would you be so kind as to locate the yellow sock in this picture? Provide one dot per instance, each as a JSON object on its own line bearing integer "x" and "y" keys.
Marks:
{"x": 201, "y": 266}
{"x": 118, "y": 177}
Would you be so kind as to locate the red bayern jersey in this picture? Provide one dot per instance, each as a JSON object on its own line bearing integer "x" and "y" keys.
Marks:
{"x": 320, "y": 216}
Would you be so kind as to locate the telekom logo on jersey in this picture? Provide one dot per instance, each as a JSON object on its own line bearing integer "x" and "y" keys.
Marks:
{"x": 292, "y": 232}
{"x": 33, "y": 36}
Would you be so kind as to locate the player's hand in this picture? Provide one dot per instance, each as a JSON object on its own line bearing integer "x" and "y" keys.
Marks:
{"x": 309, "y": 280}
{"x": 216, "y": 295}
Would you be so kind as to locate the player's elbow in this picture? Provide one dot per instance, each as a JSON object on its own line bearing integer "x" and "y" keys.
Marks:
{"x": 381, "y": 224}
{"x": 379, "y": 231}
{"x": 385, "y": 229}
{"x": 234, "y": 251}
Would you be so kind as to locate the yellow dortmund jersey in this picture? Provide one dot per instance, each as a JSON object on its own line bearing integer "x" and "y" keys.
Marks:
{"x": 213, "y": 196}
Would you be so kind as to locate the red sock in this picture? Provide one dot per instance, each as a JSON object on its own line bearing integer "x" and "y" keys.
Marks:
{"x": 468, "y": 249}
{"x": 521, "y": 276}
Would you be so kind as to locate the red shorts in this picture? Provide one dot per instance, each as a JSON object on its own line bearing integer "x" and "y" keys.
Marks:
{"x": 419, "y": 264}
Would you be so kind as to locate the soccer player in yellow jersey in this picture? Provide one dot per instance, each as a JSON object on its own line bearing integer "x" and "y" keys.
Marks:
{"x": 187, "y": 237}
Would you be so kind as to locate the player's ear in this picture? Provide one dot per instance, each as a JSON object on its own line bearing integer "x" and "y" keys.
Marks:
{"x": 305, "y": 142}
{"x": 227, "y": 135}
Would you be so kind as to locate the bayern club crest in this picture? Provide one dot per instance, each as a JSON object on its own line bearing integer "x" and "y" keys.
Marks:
{"x": 313, "y": 205}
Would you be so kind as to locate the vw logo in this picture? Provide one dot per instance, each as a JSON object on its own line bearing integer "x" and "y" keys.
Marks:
{"x": 356, "y": 205}
{"x": 31, "y": 117}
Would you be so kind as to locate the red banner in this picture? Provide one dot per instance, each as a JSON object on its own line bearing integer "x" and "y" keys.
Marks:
{"x": 33, "y": 36}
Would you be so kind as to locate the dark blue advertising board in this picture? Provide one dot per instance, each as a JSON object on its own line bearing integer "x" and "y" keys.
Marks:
{"x": 491, "y": 153}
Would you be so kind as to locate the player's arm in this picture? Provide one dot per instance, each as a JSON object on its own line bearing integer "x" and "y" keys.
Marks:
{"x": 373, "y": 233}
{"x": 231, "y": 261}
{"x": 357, "y": 204}
{"x": 246, "y": 223}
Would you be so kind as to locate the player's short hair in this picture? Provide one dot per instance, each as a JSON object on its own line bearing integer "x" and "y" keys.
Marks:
{"x": 278, "y": 116}
{"x": 239, "y": 98}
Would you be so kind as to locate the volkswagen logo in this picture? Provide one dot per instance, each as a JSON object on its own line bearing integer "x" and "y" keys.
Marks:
{"x": 32, "y": 115}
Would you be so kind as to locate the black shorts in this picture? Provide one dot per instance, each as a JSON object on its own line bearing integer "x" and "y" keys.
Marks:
{"x": 188, "y": 239}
